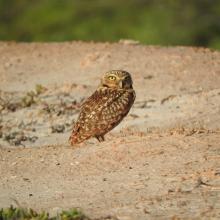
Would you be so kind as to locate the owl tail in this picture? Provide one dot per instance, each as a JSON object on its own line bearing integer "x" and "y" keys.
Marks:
{"x": 73, "y": 140}
{"x": 75, "y": 137}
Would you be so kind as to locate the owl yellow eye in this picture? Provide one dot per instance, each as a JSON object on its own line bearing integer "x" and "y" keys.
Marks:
{"x": 112, "y": 78}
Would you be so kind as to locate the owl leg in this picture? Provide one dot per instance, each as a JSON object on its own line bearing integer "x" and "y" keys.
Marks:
{"x": 100, "y": 138}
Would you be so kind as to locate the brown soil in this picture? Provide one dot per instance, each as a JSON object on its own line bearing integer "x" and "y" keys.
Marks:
{"x": 161, "y": 162}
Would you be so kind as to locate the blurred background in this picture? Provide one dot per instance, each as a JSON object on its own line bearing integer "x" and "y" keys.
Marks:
{"x": 154, "y": 22}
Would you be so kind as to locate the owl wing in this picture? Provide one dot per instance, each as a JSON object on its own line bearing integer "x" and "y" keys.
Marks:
{"x": 102, "y": 111}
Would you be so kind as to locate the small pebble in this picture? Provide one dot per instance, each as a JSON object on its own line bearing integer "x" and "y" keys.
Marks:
{"x": 58, "y": 128}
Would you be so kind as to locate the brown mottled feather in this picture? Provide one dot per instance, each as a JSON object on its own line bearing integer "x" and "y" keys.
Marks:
{"x": 101, "y": 112}
{"x": 105, "y": 108}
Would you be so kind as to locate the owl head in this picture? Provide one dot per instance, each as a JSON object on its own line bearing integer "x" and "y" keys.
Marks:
{"x": 117, "y": 79}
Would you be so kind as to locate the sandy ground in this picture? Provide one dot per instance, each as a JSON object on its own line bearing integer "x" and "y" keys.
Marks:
{"x": 161, "y": 162}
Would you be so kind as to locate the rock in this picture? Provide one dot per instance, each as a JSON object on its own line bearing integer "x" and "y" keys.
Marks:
{"x": 58, "y": 128}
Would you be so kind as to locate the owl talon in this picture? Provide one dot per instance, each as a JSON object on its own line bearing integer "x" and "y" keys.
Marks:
{"x": 100, "y": 138}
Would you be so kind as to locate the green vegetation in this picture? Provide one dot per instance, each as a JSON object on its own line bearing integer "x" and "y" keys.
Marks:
{"x": 13, "y": 213}
{"x": 32, "y": 96}
{"x": 164, "y": 22}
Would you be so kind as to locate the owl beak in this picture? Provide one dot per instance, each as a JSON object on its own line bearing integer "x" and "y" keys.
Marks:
{"x": 121, "y": 84}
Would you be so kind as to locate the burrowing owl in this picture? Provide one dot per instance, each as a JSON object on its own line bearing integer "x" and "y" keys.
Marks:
{"x": 105, "y": 108}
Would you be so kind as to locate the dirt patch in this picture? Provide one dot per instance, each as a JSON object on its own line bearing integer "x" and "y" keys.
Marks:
{"x": 161, "y": 162}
